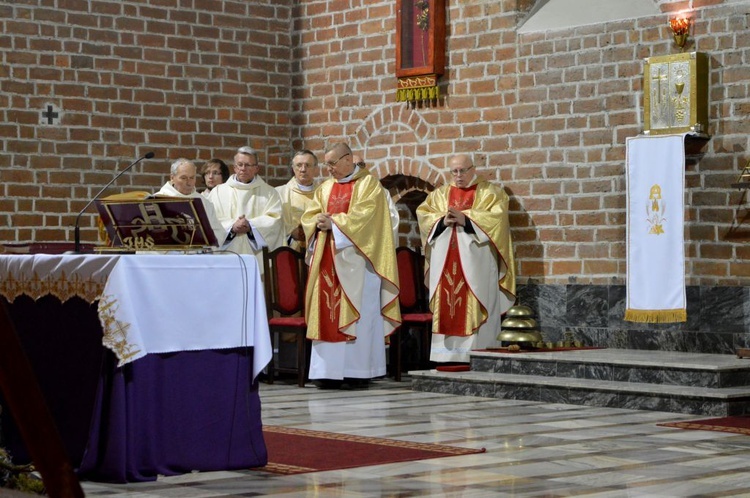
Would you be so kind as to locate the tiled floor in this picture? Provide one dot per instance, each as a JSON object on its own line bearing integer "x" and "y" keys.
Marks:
{"x": 533, "y": 449}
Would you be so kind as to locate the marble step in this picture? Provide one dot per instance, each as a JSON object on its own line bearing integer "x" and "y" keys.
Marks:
{"x": 695, "y": 400}
{"x": 622, "y": 365}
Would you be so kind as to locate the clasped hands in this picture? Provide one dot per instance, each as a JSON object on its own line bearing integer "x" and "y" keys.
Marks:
{"x": 241, "y": 226}
{"x": 323, "y": 222}
{"x": 454, "y": 217}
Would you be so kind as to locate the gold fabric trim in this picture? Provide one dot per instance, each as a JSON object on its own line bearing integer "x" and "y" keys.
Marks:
{"x": 115, "y": 331}
{"x": 656, "y": 316}
{"x": 62, "y": 286}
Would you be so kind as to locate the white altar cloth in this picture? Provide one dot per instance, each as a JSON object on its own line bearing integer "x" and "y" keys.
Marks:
{"x": 165, "y": 304}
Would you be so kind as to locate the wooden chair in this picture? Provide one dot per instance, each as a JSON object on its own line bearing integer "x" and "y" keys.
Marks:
{"x": 414, "y": 308}
{"x": 285, "y": 278}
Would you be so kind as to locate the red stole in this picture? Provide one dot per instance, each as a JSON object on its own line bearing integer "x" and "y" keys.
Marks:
{"x": 331, "y": 291}
{"x": 454, "y": 292}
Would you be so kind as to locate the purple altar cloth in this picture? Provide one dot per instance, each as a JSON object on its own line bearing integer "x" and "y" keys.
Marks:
{"x": 172, "y": 413}
{"x": 63, "y": 341}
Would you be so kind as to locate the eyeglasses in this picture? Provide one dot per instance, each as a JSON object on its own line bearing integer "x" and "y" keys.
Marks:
{"x": 244, "y": 165}
{"x": 332, "y": 164}
{"x": 458, "y": 172}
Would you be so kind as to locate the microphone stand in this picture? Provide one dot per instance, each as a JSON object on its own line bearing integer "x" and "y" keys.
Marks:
{"x": 77, "y": 248}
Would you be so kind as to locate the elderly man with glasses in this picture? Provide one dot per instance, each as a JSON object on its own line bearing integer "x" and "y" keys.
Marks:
{"x": 248, "y": 208}
{"x": 351, "y": 302}
{"x": 466, "y": 236}
{"x": 296, "y": 195}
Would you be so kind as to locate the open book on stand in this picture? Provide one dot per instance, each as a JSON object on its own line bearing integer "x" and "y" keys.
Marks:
{"x": 134, "y": 223}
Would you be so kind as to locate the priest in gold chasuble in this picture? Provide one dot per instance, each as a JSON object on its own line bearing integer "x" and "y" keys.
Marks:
{"x": 296, "y": 195}
{"x": 352, "y": 290}
{"x": 465, "y": 231}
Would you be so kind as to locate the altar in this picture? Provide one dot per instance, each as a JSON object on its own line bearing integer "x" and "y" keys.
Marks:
{"x": 148, "y": 363}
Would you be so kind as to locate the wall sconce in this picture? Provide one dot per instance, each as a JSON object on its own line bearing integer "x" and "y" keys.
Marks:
{"x": 680, "y": 27}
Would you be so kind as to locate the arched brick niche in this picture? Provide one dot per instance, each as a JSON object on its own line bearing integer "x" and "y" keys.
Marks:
{"x": 408, "y": 192}
{"x": 395, "y": 143}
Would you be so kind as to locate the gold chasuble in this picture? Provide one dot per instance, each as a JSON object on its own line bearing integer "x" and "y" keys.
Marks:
{"x": 461, "y": 261}
{"x": 359, "y": 209}
{"x": 294, "y": 202}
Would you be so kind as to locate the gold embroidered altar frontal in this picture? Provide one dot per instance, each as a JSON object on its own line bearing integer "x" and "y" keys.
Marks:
{"x": 40, "y": 275}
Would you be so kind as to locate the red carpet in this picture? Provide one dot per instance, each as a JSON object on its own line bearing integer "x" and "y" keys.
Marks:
{"x": 453, "y": 368}
{"x": 297, "y": 451}
{"x": 736, "y": 425}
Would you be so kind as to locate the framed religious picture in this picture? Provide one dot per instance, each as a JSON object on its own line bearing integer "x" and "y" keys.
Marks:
{"x": 420, "y": 48}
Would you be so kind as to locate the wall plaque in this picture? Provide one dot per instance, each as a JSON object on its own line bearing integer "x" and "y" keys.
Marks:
{"x": 675, "y": 89}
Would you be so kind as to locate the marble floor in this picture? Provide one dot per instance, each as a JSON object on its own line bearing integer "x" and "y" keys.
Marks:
{"x": 533, "y": 449}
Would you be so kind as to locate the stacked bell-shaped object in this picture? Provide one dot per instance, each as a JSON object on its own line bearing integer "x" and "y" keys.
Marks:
{"x": 519, "y": 328}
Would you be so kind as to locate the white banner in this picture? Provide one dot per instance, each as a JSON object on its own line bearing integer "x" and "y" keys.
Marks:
{"x": 655, "y": 229}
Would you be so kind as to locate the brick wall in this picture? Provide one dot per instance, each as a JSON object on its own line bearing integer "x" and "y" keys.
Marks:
{"x": 182, "y": 78}
{"x": 546, "y": 114}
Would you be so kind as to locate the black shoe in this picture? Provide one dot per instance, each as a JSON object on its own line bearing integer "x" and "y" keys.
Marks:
{"x": 327, "y": 383}
{"x": 356, "y": 383}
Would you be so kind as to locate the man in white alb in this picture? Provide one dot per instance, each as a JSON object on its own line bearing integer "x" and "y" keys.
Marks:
{"x": 249, "y": 208}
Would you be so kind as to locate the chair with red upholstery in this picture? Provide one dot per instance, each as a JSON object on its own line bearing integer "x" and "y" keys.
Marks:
{"x": 285, "y": 278}
{"x": 415, "y": 311}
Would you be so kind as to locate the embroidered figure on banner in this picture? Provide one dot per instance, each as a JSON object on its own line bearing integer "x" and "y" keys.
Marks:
{"x": 655, "y": 210}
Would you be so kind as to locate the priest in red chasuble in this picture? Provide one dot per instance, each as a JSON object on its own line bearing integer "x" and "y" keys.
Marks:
{"x": 465, "y": 232}
{"x": 352, "y": 290}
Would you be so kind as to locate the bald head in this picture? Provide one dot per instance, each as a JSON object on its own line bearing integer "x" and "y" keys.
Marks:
{"x": 461, "y": 168}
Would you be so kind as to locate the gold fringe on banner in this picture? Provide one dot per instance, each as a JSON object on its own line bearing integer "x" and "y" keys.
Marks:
{"x": 656, "y": 316}
{"x": 416, "y": 89}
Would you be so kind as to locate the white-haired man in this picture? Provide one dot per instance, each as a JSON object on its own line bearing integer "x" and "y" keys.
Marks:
{"x": 181, "y": 183}
{"x": 249, "y": 208}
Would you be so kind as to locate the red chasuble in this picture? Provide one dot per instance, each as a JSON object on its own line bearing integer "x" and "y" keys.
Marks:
{"x": 331, "y": 292}
{"x": 453, "y": 288}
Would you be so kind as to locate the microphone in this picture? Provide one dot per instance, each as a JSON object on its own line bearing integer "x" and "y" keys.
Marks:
{"x": 77, "y": 248}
